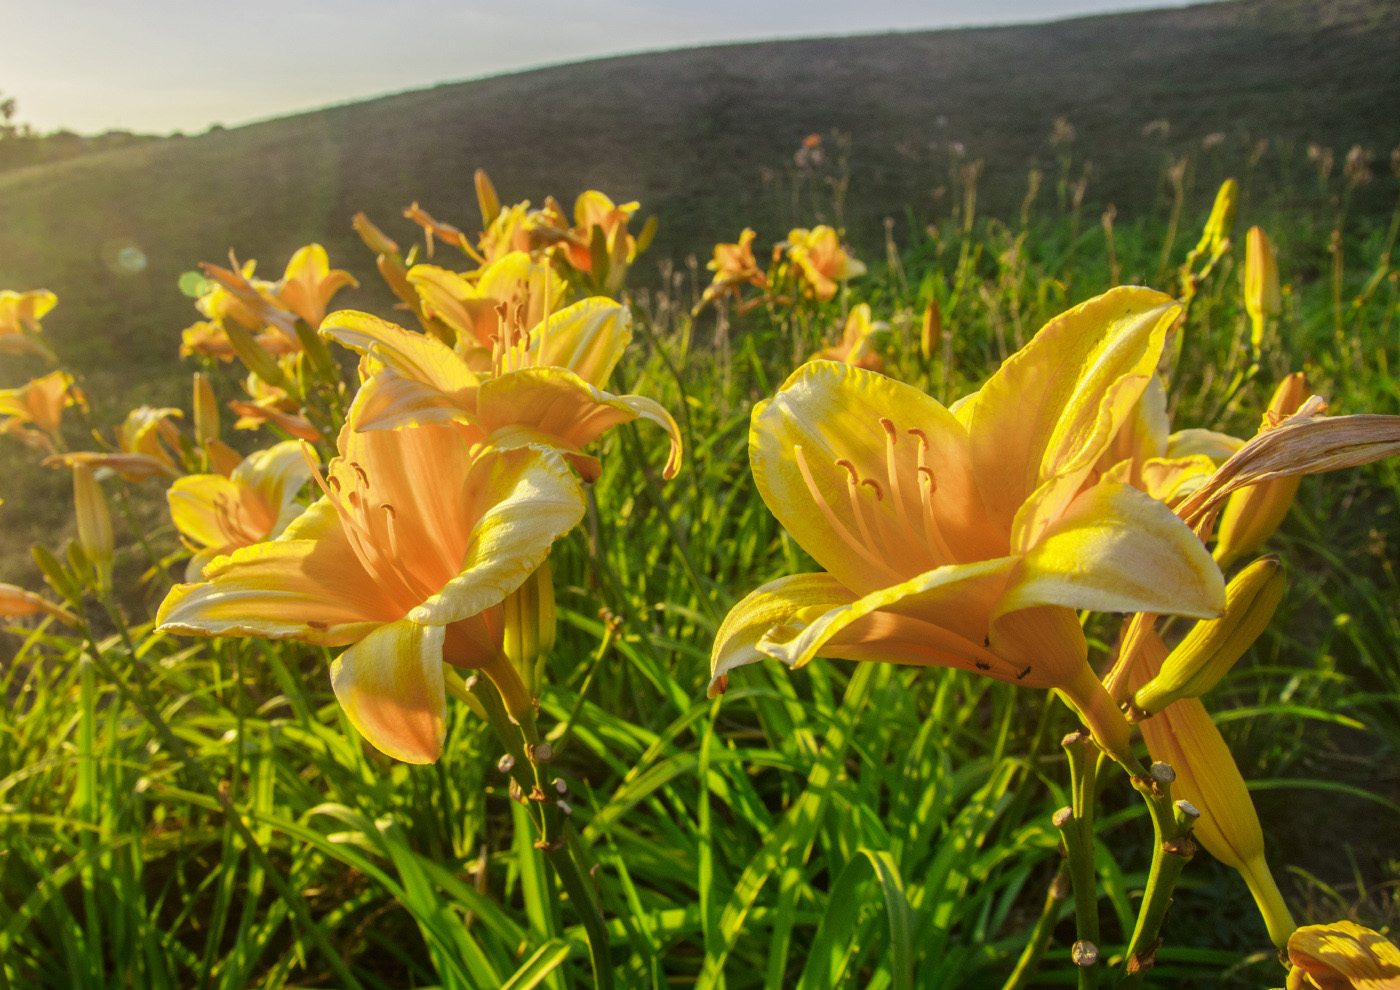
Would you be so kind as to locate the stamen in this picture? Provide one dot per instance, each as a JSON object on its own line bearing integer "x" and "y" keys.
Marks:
{"x": 392, "y": 515}
{"x": 879, "y": 495}
{"x": 831, "y": 518}
{"x": 892, "y": 470}
{"x": 853, "y": 484}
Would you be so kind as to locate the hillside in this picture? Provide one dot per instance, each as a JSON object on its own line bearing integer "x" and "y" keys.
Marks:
{"x": 688, "y": 133}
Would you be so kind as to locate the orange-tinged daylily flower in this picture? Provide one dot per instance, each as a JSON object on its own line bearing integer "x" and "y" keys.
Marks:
{"x": 1342, "y": 956}
{"x": 212, "y": 340}
{"x": 40, "y": 401}
{"x": 968, "y": 540}
{"x": 505, "y": 298}
{"x": 854, "y": 348}
{"x": 216, "y": 513}
{"x": 1183, "y": 736}
{"x": 596, "y": 210}
{"x": 734, "y": 266}
{"x": 546, "y": 389}
{"x": 144, "y": 444}
{"x": 405, "y": 560}
{"x": 304, "y": 291}
{"x": 16, "y": 603}
{"x": 309, "y": 283}
{"x": 20, "y": 313}
{"x": 271, "y": 404}
{"x": 819, "y": 256}
{"x": 433, "y": 228}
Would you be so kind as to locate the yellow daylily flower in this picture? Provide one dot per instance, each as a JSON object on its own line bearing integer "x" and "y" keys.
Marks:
{"x": 596, "y": 210}
{"x": 303, "y": 292}
{"x": 1183, "y": 736}
{"x": 40, "y": 401}
{"x": 506, "y": 297}
{"x": 405, "y": 560}
{"x": 1342, "y": 956}
{"x": 144, "y": 444}
{"x": 546, "y": 389}
{"x": 16, "y": 603}
{"x": 968, "y": 540}
{"x": 734, "y": 266}
{"x": 20, "y": 313}
{"x": 433, "y": 228}
{"x": 818, "y": 255}
{"x": 854, "y": 348}
{"x": 309, "y": 283}
{"x": 217, "y": 513}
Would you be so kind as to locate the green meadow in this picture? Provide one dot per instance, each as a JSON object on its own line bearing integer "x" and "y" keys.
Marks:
{"x": 182, "y": 812}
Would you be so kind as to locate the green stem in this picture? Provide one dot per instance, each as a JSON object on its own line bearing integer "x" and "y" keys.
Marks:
{"x": 1029, "y": 963}
{"x": 527, "y": 767}
{"x": 1172, "y": 849}
{"x": 1076, "y": 825}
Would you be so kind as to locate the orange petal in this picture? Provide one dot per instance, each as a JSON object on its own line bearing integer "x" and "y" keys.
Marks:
{"x": 391, "y": 687}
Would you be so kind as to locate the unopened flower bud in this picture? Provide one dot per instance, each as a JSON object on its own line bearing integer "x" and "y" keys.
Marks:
{"x": 1216, "y": 236}
{"x": 487, "y": 199}
{"x": 1261, "y": 291}
{"x": 1252, "y": 514}
{"x": 206, "y": 410}
{"x": 529, "y": 619}
{"x": 931, "y": 335}
{"x": 254, "y": 356}
{"x": 94, "y": 524}
{"x": 374, "y": 238}
{"x": 1211, "y": 648}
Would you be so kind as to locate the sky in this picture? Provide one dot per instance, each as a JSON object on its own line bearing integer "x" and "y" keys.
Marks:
{"x": 156, "y": 66}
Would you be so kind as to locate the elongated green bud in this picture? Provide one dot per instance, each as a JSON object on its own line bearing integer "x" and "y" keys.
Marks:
{"x": 94, "y": 524}
{"x": 254, "y": 356}
{"x": 1216, "y": 236}
{"x": 1212, "y": 647}
{"x": 529, "y": 622}
{"x": 58, "y": 576}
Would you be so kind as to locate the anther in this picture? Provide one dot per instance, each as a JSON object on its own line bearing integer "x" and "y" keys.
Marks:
{"x": 879, "y": 495}
{"x": 928, "y": 473}
{"x": 889, "y": 428}
{"x": 1022, "y": 674}
{"x": 982, "y": 666}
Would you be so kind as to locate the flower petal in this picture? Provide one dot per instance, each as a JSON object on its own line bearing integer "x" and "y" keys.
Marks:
{"x": 1052, "y": 407}
{"x": 413, "y": 355}
{"x": 391, "y": 687}
{"x": 834, "y": 412}
{"x": 555, "y": 402}
{"x": 775, "y": 603}
{"x": 390, "y": 400}
{"x": 588, "y": 338}
{"x": 938, "y": 619}
{"x": 517, "y": 503}
{"x": 308, "y": 585}
{"x": 1117, "y": 550}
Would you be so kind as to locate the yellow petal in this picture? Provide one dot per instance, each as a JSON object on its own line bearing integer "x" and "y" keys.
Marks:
{"x": 775, "y": 603}
{"x": 517, "y": 503}
{"x": 834, "y": 412}
{"x": 412, "y": 355}
{"x": 1346, "y": 956}
{"x": 936, "y": 619}
{"x": 1052, "y": 408}
{"x": 391, "y": 687}
{"x": 391, "y": 400}
{"x": 1118, "y": 550}
{"x": 588, "y": 338}
{"x": 278, "y": 475}
{"x": 556, "y": 402}
{"x": 308, "y": 585}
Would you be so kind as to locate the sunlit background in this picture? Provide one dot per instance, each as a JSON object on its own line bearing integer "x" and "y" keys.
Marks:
{"x": 167, "y": 65}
